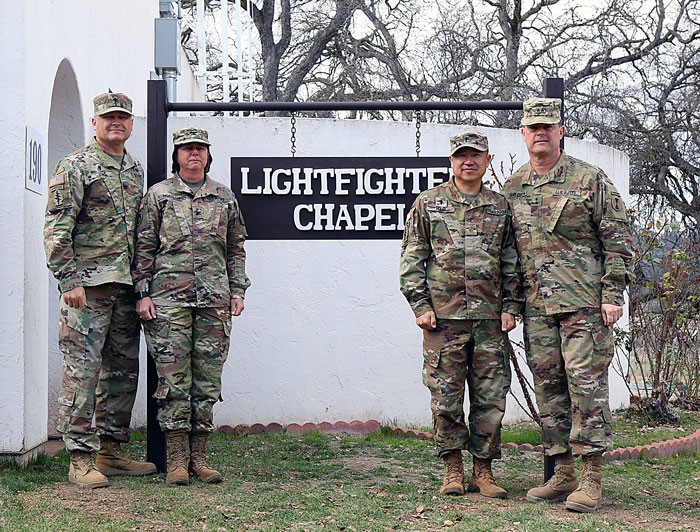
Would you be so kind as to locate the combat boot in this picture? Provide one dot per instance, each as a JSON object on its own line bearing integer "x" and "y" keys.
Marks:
{"x": 83, "y": 473}
{"x": 178, "y": 457}
{"x": 587, "y": 497}
{"x": 198, "y": 459}
{"x": 562, "y": 483}
{"x": 113, "y": 460}
{"x": 482, "y": 480}
{"x": 454, "y": 474}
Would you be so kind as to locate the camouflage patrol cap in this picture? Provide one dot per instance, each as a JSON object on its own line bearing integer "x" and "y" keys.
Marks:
{"x": 190, "y": 134}
{"x": 541, "y": 111}
{"x": 109, "y": 101}
{"x": 469, "y": 139}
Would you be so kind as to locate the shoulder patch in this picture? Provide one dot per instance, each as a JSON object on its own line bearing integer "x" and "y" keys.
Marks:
{"x": 56, "y": 197}
{"x": 615, "y": 207}
{"x": 58, "y": 179}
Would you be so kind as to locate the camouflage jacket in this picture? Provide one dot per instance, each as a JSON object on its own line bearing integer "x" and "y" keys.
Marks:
{"x": 91, "y": 218}
{"x": 189, "y": 247}
{"x": 573, "y": 237}
{"x": 458, "y": 257}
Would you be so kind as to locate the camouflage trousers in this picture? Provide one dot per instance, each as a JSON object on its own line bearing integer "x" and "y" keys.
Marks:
{"x": 189, "y": 346}
{"x": 475, "y": 353}
{"x": 569, "y": 355}
{"x": 100, "y": 346}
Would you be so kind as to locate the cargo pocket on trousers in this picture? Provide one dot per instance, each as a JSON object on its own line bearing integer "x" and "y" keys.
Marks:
{"x": 603, "y": 344}
{"x": 432, "y": 345}
{"x": 79, "y": 320}
{"x": 66, "y": 398}
{"x": 224, "y": 316}
{"x": 161, "y": 393}
{"x": 160, "y": 327}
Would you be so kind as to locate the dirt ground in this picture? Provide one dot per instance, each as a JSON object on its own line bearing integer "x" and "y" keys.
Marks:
{"x": 120, "y": 500}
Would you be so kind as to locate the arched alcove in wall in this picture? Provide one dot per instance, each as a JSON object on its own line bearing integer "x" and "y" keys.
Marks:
{"x": 66, "y": 134}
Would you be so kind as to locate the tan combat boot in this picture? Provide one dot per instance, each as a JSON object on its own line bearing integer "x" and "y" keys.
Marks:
{"x": 198, "y": 459}
{"x": 562, "y": 483}
{"x": 482, "y": 480}
{"x": 178, "y": 457}
{"x": 113, "y": 460}
{"x": 454, "y": 474}
{"x": 83, "y": 473}
{"x": 587, "y": 497}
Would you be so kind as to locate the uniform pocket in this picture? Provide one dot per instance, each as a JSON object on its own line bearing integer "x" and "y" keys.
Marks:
{"x": 224, "y": 315}
{"x": 161, "y": 392}
{"x": 217, "y": 219}
{"x": 158, "y": 326}
{"x": 492, "y": 232}
{"x": 79, "y": 320}
{"x": 432, "y": 345}
{"x": 161, "y": 327}
{"x": 556, "y": 214}
{"x": 99, "y": 203}
{"x": 66, "y": 397}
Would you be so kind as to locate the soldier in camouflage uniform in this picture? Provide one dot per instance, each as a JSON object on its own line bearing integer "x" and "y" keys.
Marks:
{"x": 190, "y": 278}
{"x": 574, "y": 242}
{"x": 93, "y": 200}
{"x": 460, "y": 274}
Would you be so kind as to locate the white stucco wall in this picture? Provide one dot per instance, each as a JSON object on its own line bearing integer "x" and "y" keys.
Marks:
{"x": 326, "y": 334}
{"x": 12, "y": 376}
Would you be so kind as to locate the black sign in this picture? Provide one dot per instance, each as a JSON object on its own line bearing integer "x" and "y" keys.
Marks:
{"x": 331, "y": 198}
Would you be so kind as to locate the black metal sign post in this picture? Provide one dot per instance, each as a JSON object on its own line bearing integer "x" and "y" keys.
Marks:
{"x": 158, "y": 109}
{"x": 156, "y": 170}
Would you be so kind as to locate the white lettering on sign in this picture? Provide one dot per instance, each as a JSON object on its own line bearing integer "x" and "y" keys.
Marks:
{"x": 340, "y": 181}
{"x": 360, "y": 217}
{"x": 34, "y": 178}
{"x": 331, "y": 197}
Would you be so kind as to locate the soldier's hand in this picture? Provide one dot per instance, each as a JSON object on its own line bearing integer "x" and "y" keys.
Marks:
{"x": 611, "y": 313}
{"x": 507, "y": 322}
{"x": 146, "y": 309}
{"x": 75, "y": 298}
{"x": 427, "y": 321}
{"x": 237, "y": 306}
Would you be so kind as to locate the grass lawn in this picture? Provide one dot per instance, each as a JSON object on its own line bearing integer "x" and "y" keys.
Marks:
{"x": 323, "y": 482}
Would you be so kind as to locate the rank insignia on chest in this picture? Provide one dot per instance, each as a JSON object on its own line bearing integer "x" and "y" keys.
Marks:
{"x": 470, "y": 229}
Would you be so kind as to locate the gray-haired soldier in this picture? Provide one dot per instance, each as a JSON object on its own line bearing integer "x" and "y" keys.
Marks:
{"x": 89, "y": 231}
{"x": 459, "y": 273}
{"x": 189, "y": 273}
{"x": 574, "y": 241}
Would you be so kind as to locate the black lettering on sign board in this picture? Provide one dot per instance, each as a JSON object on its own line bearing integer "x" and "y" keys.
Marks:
{"x": 331, "y": 198}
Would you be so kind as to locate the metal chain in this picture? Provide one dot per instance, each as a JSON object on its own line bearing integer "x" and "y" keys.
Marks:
{"x": 293, "y": 130}
{"x": 418, "y": 117}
